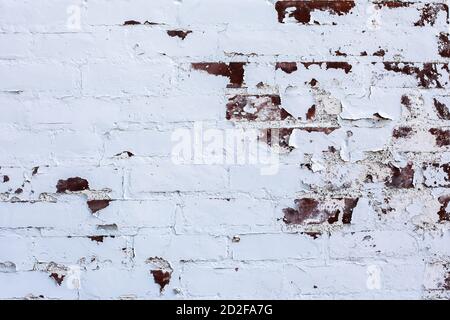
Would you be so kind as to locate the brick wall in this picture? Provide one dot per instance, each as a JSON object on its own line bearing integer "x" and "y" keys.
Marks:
{"x": 100, "y": 198}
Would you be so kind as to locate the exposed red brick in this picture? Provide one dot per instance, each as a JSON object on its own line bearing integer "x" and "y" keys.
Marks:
{"x": 379, "y": 116}
{"x": 402, "y": 132}
{"x": 379, "y": 53}
{"x": 58, "y": 278}
{"x": 302, "y": 9}
{"x": 129, "y": 154}
{"x": 430, "y": 12}
{"x": 427, "y": 76}
{"x": 330, "y": 65}
{"x": 234, "y": 71}
{"x": 340, "y": 54}
{"x": 97, "y": 205}
{"x": 446, "y": 284}
{"x": 72, "y": 184}
{"x": 256, "y": 107}
{"x": 387, "y": 210}
{"x": 445, "y": 167}
{"x": 179, "y": 33}
{"x": 311, "y": 112}
{"x": 442, "y": 136}
{"x": 131, "y": 23}
{"x": 401, "y": 177}
{"x": 313, "y": 82}
{"x": 236, "y": 239}
{"x": 309, "y": 211}
{"x": 442, "y": 213}
{"x": 97, "y": 238}
{"x": 339, "y": 65}
{"x": 444, "y": 45}
{"x": 441, "y": 110}
{"x": 284, "y": 135}
{"x": 287, "y": 67}
{"x": 349, "y": 205}
{"x": 161, "y": 277}
{"x": 392, "y": 4}
{"x": 305, "y": 209}
{"x": 334, "y": 217}
{"x": 406, "y": 101}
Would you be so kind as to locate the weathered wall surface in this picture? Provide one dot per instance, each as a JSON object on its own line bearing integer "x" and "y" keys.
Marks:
{"x": 94, "y": 204}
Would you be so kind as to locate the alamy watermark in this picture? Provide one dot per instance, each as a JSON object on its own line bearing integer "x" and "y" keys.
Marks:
{"x": 374, "y": 19}
{"x": 237, "y": 146}
{"x": 73, "y": 277}
{"x": 73, "y": 12}
{"x": 373, "y": 277}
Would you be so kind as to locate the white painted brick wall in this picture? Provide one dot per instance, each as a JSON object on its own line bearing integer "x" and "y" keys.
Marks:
{"x": 94, "y": 205}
